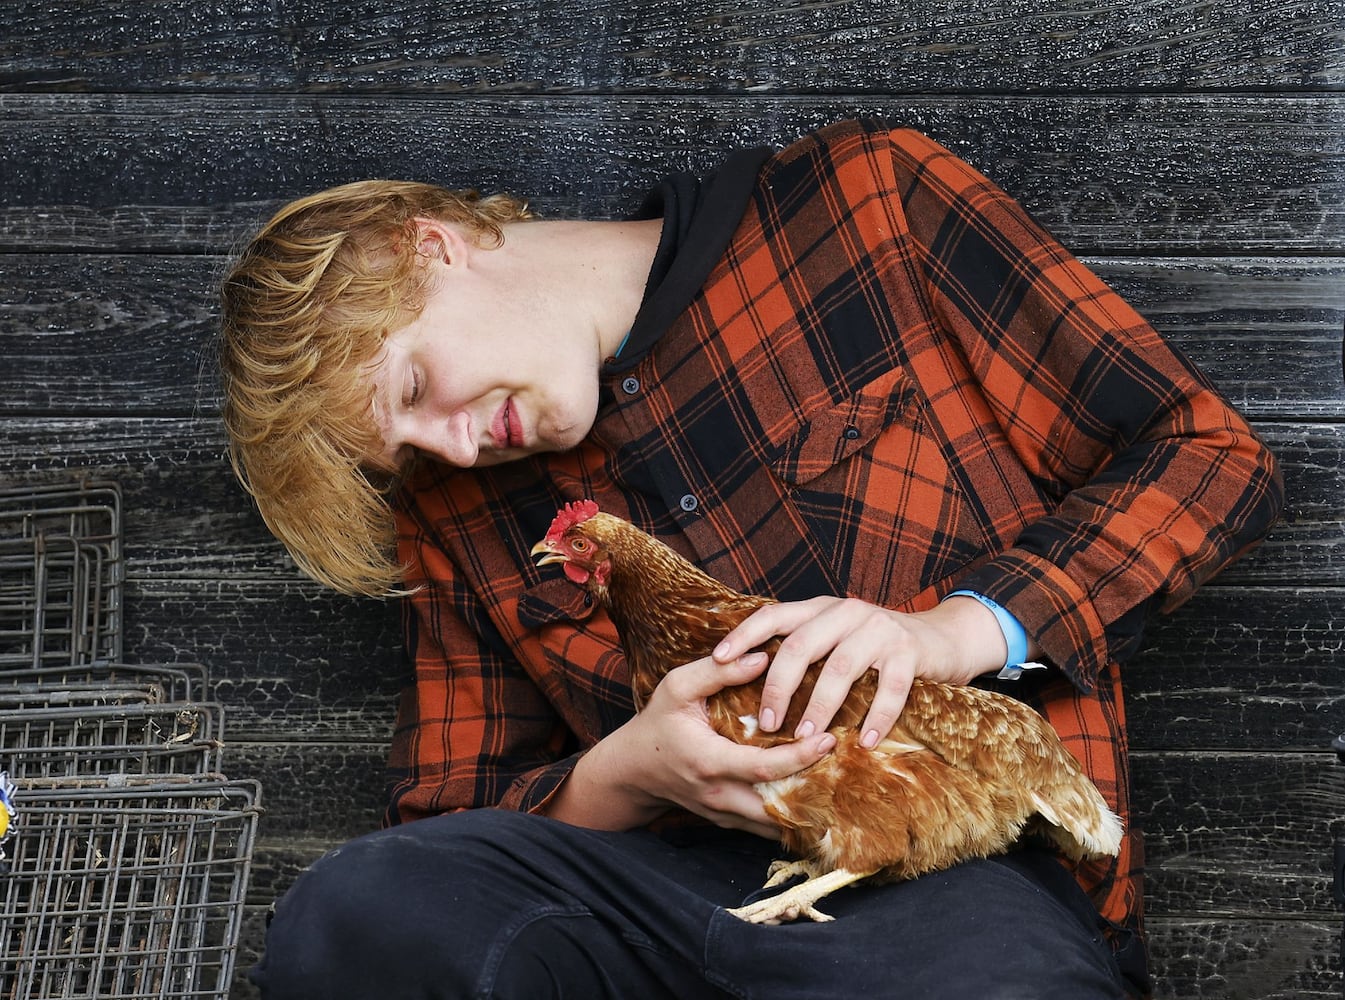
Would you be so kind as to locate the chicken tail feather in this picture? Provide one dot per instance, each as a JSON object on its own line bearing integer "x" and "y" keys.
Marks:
{"x": 1080, "y": 821}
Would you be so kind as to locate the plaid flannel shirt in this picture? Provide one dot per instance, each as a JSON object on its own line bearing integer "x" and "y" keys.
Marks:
{"x": 892, "y": 384}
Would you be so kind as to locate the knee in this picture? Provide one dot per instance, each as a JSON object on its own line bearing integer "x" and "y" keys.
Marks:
{"x": 376, "y": 908}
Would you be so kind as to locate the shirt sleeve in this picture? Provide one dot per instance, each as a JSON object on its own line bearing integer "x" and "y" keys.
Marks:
{"x": 473, "y": 729}
{"x": 1154, "y": 481}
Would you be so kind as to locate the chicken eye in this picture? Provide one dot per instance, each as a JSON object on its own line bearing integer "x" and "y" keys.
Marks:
{"x": 579, "y": 544}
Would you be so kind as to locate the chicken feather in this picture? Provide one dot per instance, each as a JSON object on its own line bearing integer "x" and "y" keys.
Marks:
{"x": 962, "y": 774}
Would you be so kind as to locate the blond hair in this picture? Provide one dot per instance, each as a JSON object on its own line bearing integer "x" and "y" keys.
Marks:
{"x": 306, "y": 308}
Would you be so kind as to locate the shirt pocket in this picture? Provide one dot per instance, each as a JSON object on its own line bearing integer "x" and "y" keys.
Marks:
{"x": 833, "y": 434}
{"x": 553, "y": 601}
{"x": 581, "y": 667}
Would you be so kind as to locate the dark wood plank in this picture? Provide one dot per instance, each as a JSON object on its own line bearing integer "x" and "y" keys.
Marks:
{"x": 1234, "y": 835}
{"x": 332, "y": 791}
{"x": 1236, "y": 669}
{"x": 135, "y": 334}
{"x": 1240, "y": 668}
{"x": 1266, "y": 330}
{"x": 185, "y": 516}
{"x": 1227, "y": 174}
{"x": 290, "y": 661}
{"x": 705, "y": 46}
{"x": 1245, "y": 959}
{"x": 174, "y": 473}
{"x": 1246, "y": 834}
{"x": 1307, "y": 547}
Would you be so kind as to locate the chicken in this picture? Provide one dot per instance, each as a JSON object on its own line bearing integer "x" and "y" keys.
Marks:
{"x": 962, "y": 774}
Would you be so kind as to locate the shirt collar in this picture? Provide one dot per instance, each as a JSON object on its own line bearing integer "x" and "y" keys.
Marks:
{"x": 700, "y": 216}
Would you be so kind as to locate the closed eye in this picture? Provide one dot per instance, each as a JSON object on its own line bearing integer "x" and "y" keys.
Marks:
{"x": 415, "y": 388}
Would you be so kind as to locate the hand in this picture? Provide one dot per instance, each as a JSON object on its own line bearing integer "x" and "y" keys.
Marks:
{"x": 954, "y": 642}
{"x": 668, "y": 755}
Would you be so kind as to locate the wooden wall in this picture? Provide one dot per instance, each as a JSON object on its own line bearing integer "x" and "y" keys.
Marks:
{"x": 1192, "y": 151}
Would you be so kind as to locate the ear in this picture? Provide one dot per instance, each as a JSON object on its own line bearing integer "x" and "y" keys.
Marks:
{"x": 440, "y": 241}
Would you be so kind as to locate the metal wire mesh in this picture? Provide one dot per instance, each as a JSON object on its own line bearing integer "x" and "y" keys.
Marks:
{"x": 49, "y": 687}
{"x": 60, "y": 574}
{"x": 126, "y": 855}
{"x": 125, "y": 887}
{"x": 173, "y": 738}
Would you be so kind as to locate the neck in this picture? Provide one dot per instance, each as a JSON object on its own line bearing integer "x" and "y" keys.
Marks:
{"x": 601, "y": 267}
{"x": 670, "y": 612}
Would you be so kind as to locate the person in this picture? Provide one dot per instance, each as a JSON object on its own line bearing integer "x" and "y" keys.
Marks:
{"x": 851, "y": 374}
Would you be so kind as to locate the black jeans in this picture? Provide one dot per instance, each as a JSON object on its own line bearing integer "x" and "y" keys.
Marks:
{"x": 499, "y": 904}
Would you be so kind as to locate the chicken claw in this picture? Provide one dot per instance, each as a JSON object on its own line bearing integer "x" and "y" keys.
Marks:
{"x": 797, "y": 901}
{"x": 782, "y": 871}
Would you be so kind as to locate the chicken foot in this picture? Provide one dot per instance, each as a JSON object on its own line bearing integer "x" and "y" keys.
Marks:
{"x": 782, "y": 871}
{"x": 797, "y": 901}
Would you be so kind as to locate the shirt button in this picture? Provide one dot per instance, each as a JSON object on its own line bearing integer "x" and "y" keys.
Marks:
{"x": 630, "y": 386}
{"x": 851, "y": 433}
{"x": 688, "y": 503}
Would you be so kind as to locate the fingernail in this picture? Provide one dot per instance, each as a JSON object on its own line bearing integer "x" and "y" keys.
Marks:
{"x": 825, "y": 743}
{"x": 767, "y": 720}
{"x": 752, "y": 659}
{"x": 870, "y": 739}
{"x": 721, "y": 651}
{"x": 805, "y": 730}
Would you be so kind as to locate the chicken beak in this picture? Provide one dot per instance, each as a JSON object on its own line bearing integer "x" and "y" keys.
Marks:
{"x": 548, "y": 554}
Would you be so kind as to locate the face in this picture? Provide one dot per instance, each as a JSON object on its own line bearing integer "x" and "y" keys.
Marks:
{"x": 491, "y": 371}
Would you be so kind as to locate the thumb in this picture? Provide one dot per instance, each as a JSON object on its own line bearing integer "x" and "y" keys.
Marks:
{"x": 702, "y": 678}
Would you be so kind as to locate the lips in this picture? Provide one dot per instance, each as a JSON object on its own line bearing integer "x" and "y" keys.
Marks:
{"x": 506, "y": 428}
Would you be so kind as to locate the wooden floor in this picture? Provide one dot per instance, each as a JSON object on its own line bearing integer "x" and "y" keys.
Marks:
{"x": 1192, "y": 152}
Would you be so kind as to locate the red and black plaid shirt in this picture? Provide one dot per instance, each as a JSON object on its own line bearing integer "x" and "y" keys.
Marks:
{"x": 891, "y": 384}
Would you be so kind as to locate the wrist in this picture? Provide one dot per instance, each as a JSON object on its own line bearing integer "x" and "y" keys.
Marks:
{"x": 599, "y": 792}
{"x": 1011, "y": 629}
{"x": 978, "y": 640}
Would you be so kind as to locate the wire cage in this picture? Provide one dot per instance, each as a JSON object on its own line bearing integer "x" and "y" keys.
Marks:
{"x": 172, "y": 738}
{"x": 125, "y": 887}
{"x": 60, "y": 574}
{"x": 52, "y": 686}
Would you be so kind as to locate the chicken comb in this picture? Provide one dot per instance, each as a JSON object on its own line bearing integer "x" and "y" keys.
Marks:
{"x": 568, "y": 516}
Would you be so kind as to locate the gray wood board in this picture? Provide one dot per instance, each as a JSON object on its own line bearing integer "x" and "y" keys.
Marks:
{"x": 704, "y": 46}
{"x": 1207, "y": 174}
{"x": 134, "y": 334}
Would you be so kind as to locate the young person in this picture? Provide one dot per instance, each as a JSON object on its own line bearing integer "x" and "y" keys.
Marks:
{"x": 851, "y": 374}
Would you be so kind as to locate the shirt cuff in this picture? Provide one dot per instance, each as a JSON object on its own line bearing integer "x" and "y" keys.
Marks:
{"x": 1015, "y": 636}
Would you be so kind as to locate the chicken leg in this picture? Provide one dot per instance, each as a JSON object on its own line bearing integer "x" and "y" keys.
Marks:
{"x": 797, "y": 901}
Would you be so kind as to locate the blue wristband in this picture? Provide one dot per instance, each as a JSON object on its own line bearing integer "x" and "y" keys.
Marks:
{"x": 1015, "y": 636}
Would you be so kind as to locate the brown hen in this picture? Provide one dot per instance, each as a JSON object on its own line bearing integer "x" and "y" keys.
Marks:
{"x": 962, "y": 773}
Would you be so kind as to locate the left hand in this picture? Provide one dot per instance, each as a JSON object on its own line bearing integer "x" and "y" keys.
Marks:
{"x": 953, "y": 642}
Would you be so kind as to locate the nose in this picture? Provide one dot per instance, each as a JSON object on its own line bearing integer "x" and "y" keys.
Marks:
{"x": 450, "y": 440}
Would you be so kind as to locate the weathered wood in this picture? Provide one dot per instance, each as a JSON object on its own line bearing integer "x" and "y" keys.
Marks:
{"x": 135, "y": 334}
{"x": 1245, "y": 834}
{"x": 1230, "y": 834}
{"x": 332, "y": 790}
{"x": 1227, "y": 174}
{"x": 1245, "y": 959}
{"x": 188, "y": 519}
{"x": 1240, "y": 668}
{"x": 291, "y": 661}
{"x": 690, "y": 45}
{"x": 1237, "y": 668}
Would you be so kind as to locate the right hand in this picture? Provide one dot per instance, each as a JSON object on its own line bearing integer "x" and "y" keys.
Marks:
{"x": 668, "y": 756}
